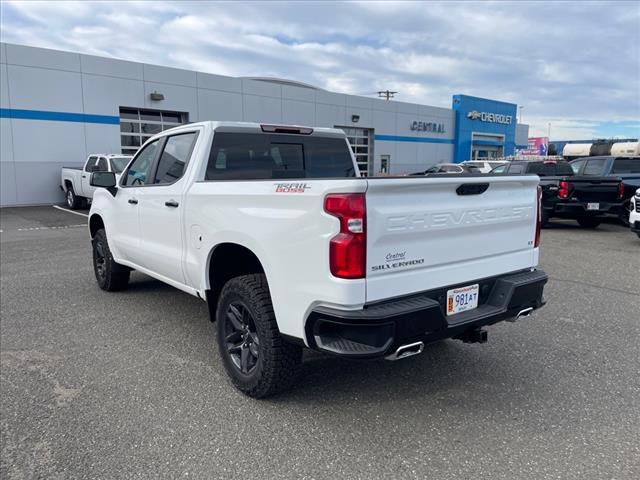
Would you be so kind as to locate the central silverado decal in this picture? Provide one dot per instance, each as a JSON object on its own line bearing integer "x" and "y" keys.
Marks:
{"x": 396, "y": 260}
{"x": 291, "y": 187}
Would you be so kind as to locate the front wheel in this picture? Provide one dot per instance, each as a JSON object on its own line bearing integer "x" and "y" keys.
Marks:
{"x": 111, "y": 276}
{"x": 258, "y": 360}
{"x": 589, "y": 222}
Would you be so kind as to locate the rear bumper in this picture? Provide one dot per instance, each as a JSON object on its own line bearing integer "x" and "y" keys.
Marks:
{"x": 574, "y": 209}
{"x": 379, "y": 329}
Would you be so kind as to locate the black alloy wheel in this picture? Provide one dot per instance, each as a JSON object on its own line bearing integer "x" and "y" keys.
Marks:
{"x": 241, "y": 338}
{"x": 99, "y": 259}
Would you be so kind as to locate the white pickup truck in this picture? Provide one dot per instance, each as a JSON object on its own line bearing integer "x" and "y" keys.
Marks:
{"x": 275, "y": 229}
{"x": 74, "y": 181}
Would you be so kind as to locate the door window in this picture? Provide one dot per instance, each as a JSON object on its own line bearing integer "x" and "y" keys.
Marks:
{"x": 577, "y": 165}
{"x": 140, "y": 169}
{"x": 175, "y": 157}
{"x": 102, "y": 165}
{"x": 91, "y": 164}
{"x": 594, "y": 167}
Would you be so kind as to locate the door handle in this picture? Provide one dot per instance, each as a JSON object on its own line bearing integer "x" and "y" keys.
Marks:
{"x": 133, "y": 201}
{"x": 171, "y": 203}
{"x": 84, "y": 176}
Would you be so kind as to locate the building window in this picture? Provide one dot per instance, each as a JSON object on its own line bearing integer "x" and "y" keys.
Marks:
{"x": 360, "y": 140}
{"x": 137, "y": 125}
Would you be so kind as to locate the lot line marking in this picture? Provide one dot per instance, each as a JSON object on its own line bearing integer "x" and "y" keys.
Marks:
{"x": 70, "y": 211}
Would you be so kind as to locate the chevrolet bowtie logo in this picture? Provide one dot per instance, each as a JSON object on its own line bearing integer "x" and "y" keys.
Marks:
{"x": 474, "y": 115}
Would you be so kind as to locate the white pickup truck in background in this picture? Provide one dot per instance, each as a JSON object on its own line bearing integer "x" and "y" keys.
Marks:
{"x": 75, "y": 181}
{"x": 291, "y": 248}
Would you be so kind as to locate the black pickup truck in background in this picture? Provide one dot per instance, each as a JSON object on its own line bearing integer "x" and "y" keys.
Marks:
{"x": 625, "y": 168}
{"x": 586, "y": 199}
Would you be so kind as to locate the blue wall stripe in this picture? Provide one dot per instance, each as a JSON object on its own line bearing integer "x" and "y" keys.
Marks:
{"x": 397, "y": 138}
{"x": 58, "y": 116}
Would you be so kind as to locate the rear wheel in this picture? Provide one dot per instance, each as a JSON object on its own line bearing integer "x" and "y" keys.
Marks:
{"x": 258, "y": 360}
{"x": 111, "y": 276}
{"x": 589, "y": 222}
{"x": 73, "y": 201}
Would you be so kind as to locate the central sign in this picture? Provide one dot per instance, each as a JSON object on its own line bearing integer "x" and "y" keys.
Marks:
{"x": 427, "y": 127}
{"x": 490, "y": 117}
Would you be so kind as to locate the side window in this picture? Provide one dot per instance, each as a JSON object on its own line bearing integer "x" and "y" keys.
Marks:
{"x": 175, "y": 157}
{"x": 102, "y": 165}
{"x": 140, "y": 169}
{"x": 577, "y": 165}
{"x": 500, "y": 169}
{"x": 515, "y": 169}
{"x": 91, "y": 164}
{"x": 594, "y": 167}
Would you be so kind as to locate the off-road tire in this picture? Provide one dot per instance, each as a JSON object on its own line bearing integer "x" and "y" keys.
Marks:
{"x": 111, "y": 276}
{"x": 278, "y": 362}
{"x": 589, "y": 222}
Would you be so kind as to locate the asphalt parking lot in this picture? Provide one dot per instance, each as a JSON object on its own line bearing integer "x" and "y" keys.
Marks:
{"x": 129, "y": 385}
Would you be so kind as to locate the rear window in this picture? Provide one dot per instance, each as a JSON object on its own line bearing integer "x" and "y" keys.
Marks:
{"x": 626, "y": 165}
{"x": 550, "y": 169}
{"x": 254, "y": 156}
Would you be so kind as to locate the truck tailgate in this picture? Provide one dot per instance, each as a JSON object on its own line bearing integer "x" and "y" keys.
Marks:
{"x": 425, "y": 233}
{"x": 590, "y": 189}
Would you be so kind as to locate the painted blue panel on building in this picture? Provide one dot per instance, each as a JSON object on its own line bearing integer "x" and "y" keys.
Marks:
{"x": 483, "y": 116}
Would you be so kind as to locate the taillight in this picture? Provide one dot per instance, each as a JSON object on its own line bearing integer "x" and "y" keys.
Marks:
{"x": 536, "y": 242}
{"x": 621, "y": 190}
{"x": 348, "y": 249}
{"x": 563, "y": 189}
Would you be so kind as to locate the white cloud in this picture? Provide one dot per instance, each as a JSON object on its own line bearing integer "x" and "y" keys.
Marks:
{"x": 564, "y": 61}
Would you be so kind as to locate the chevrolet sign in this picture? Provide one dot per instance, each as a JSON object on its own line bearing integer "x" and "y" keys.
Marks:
{"x": 490, "y": 117}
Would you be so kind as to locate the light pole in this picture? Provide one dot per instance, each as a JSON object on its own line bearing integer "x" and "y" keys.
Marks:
{"x": 521, "y": 107}
{"x": 549, "y": 131}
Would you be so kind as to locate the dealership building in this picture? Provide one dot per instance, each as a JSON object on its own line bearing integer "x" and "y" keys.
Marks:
{"x": 57, "y": 107}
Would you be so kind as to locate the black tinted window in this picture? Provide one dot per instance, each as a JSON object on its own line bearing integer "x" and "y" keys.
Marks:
{"x": 626, "y": 165}
{"x": 254, "y": 156}
{"x": 174, "y": 157}
{"x": 549, "y": 169}
{"x": 594, "y": 167}
{"x": 140, "y": 169}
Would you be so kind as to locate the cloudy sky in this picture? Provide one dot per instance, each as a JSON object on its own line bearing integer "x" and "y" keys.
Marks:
{"x": 574, "y": 64}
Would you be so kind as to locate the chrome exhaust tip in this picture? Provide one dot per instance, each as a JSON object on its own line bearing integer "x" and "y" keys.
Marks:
{"x": 521, "y": 314}
{"x": 405, "y": 351}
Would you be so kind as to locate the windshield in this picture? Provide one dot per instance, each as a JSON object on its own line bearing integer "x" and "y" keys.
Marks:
{"x": 119, "y": 163}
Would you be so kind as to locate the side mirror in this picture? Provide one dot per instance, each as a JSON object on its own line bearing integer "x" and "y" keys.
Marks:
{"x": 104, "y": 180}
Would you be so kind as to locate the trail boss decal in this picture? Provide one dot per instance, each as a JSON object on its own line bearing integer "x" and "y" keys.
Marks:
{"x": 396, "y": 260}
{"x": 291, "y": 187}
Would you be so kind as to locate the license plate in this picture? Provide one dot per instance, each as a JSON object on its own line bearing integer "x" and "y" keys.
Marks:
{"x": 593, "y": 206}
{"x": 462, "y": 299}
